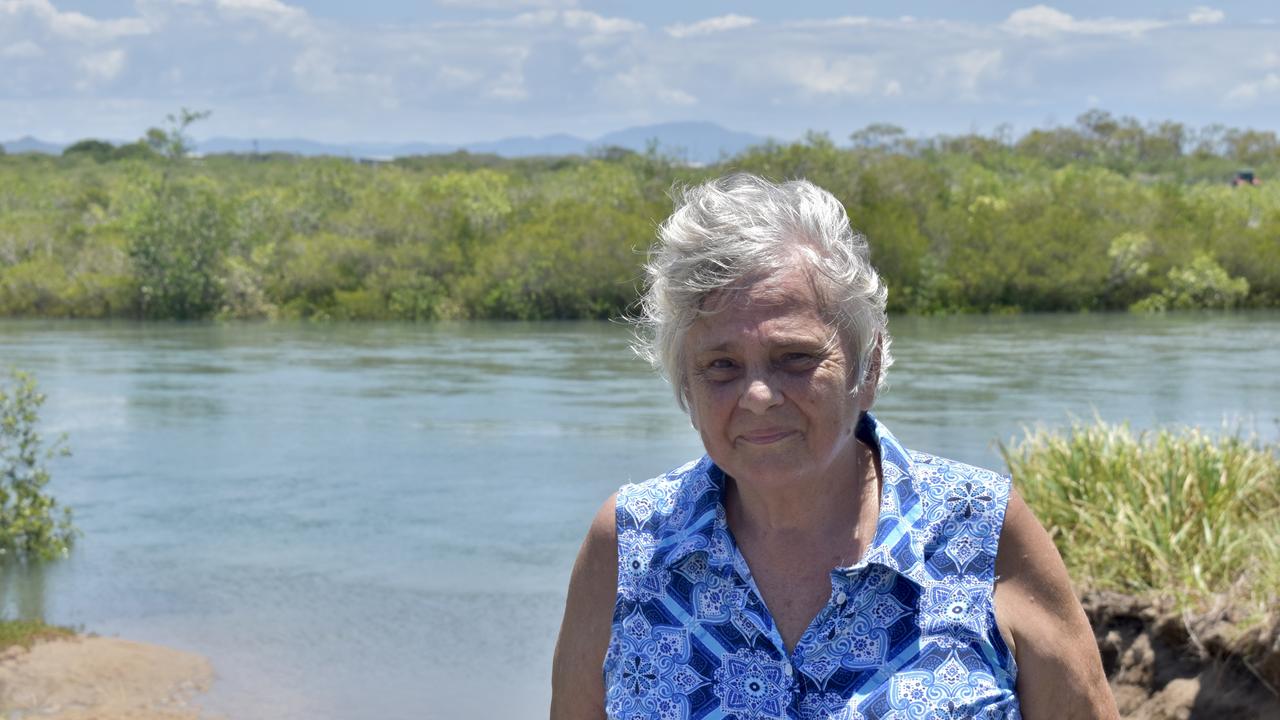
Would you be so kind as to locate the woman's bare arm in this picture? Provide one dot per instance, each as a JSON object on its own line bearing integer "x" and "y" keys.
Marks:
{"x": 1059, "y": 671}
{"x": 577, "y": 682}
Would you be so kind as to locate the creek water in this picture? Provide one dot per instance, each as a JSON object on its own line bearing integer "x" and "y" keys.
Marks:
{"x": 355, "y": 521}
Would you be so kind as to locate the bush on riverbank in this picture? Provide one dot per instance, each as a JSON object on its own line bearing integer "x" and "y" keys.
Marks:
{"x": 1173, "y": 537}
{"x": 1184, "y": 518}
{"x": 32, "y": 526}
{"x": 1105, "y": 214}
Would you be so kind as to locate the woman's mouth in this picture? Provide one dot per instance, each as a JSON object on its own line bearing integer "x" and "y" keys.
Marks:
{"x": 765, "y": 437}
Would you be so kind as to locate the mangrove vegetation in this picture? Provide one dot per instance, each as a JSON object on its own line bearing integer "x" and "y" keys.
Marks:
{"x": 33, "y": 526}
{"x": 1104, "y": 214}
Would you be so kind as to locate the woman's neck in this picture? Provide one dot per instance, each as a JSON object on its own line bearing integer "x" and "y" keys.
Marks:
{"x": 810, "y": 513}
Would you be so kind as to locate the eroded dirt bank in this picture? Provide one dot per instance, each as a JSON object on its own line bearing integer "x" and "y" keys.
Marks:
{"x": 1165, "y": 666}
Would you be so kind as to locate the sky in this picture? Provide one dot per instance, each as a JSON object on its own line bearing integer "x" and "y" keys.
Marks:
{"x": 454, "y": 71}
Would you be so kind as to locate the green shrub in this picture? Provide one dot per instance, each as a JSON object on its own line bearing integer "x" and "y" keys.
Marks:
{"x": 32, "y": 526}
{"x": 313, "y": 271}
{"x": 34, "y": 288}
{"x": 98, "y": 150}
{"x": 1201, "y": 285}
{"x": 1183, "y": 515}
{"x": 177, "y": 242}
{"x": 567, "y": 260}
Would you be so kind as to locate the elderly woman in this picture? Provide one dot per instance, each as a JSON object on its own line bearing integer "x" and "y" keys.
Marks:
{"x": 808, "y": 566}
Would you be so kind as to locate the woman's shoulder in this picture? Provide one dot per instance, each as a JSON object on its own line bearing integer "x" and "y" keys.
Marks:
{"x": 669, "y": 499}
{"x": 936, "y": 465}
{"x": 947, "y": 486}
{"x": 936, "y": 482}
{"x": 956, "y": 512}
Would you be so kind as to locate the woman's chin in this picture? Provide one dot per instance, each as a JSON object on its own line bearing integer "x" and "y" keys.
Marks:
{"x": 768, "y": 466}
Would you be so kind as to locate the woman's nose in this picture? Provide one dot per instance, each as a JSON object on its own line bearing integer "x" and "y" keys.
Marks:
{"x": 759, "y": 396}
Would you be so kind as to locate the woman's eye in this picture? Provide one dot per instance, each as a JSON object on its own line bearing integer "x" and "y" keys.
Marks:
{"x": 719, "y": 370}
{"x": 799, "y": 360}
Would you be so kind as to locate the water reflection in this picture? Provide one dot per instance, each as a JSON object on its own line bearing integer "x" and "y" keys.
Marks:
{"x": 23, "y": 590}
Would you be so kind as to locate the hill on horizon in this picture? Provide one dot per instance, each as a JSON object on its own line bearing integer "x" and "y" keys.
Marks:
{"x": 693, "y": 142}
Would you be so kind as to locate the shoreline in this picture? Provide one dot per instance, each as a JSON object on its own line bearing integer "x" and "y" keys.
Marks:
{"x": 1160, "y": 665}
{"x": 84, "y": 677}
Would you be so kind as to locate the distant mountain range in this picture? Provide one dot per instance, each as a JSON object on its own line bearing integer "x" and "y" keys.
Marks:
{"x": 694, "y": 142}
{"x": 28, "y": 144}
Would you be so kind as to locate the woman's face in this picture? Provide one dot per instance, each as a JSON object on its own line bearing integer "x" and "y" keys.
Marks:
{"x": 769, "y": 385}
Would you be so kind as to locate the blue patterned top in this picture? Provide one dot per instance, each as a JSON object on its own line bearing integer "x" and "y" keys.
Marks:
{"x": 909, "y": 632}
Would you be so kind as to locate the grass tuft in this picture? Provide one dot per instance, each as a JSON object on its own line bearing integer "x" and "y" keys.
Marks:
{"x": 1186, "y": 517}
{"x": 27, "y": 632}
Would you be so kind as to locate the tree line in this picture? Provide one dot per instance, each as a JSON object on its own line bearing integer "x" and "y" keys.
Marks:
{"x": 1104, "y": 214}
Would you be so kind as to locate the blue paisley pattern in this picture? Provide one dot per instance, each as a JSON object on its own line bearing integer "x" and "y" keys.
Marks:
{"x": 908, "y": 633}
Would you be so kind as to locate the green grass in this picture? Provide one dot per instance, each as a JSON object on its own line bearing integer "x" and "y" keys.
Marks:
{"x": 26, "y": 632}
{"x": 1185, "y": 517}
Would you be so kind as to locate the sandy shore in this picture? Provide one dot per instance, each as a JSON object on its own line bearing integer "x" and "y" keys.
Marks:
{"x": 95, "y": 678}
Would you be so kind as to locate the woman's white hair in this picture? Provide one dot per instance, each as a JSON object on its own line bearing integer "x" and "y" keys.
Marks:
{"x": 736, "y": 230}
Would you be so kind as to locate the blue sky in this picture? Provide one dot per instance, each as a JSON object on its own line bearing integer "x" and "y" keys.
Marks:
{"x": 457, "y": 71}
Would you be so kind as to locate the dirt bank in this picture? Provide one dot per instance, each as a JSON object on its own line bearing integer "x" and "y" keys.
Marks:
{"x": 93, "y": 678}
{"x": 1166, "y": 666}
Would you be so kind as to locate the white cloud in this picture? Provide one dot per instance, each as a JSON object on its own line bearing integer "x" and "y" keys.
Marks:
{"x": 1038, "y": 20}
{"x": 22, "y": 50}
{"x": 263, "y": 8}
{"x": 317, "y": 72}
{"x": 893, "y": 88}
{"x": 322, "y": 72}
{"x": 453, "y": 76}
{"x": 507, "y": 4}
{"x": 597, "y": 24}
{"x": 832, "y": 76}
{"x": 710, "y": 25}
{"x": 1042, "y": 20}
{"x": 277, "y": 15}
{"x": 509, "y": 85}
{"x": 971, "y": 68}
{"x": 577, "y": 20}
{"x": 1204, "y": 15}
{"x": 529, "y": 19}
{"x": 100, "y": 67}
{"x": 73, "y": 25}
{"x": 673, "y": 96}
{"x": 845, "y": 21}
{"x": 1250, "y": 91}
{"x": 648, "y": 84}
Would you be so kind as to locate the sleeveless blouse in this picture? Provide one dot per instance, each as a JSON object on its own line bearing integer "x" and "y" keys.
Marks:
{"x": 908, "y": 632}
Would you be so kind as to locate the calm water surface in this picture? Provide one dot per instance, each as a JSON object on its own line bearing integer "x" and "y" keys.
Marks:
{"x": 379, "y": 520}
